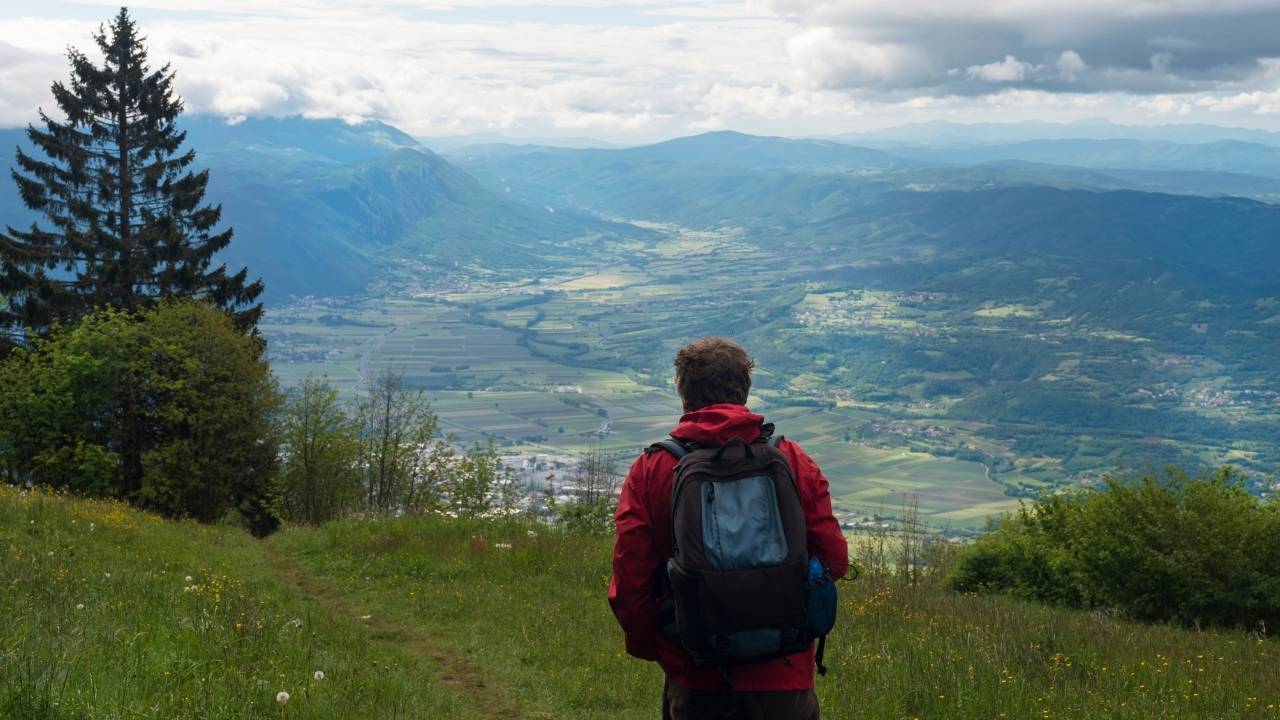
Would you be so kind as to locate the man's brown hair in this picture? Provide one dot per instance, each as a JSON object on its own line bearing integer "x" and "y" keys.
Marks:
{"x": 713, "y": 370}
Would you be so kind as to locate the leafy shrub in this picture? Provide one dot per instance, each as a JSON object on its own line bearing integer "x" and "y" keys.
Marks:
{"x": 1168, "y": 548}
{"x": 169, "y": 408}
{"x": 583, "y": 517}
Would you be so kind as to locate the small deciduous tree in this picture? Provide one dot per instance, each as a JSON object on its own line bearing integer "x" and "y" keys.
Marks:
{"x": 400, "y": 454}
{"x": 481, "y": 483}
{"x": 320, "y": 473}
{"x": 596, "y": 483}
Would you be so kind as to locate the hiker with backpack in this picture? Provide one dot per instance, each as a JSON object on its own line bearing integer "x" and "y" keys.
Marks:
{"x": 726, "y": 553}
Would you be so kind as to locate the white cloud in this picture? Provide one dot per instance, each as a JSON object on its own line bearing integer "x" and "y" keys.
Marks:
{"x": 1071, "y": 65}
{"x": 1147, "y": 47}
{"x": 631, "y": 72}
{"x": 1008, "y": 70}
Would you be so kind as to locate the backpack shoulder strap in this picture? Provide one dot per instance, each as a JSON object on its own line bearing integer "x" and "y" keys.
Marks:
{"x": 768, "y": 435}
{"x": 671, "y": 445}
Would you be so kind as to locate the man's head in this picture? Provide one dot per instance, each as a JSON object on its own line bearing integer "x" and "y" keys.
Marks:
{"x": 713, "y": 370}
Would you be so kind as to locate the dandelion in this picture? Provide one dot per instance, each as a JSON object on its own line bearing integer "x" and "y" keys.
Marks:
{"x": 502, "y": 546}
{"x": 366, "y": 617}
{"x": 106, "y": 575}
{"x": 79, "y": 606}
{"x": 319, "y": 675}
{"x": 187, "y": 579}
{"x": 282, "y": 697}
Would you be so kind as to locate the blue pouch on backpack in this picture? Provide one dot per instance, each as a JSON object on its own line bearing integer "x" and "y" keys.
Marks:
{"x": 821, "y": 600}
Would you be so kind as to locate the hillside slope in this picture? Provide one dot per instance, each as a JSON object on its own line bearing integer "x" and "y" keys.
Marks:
{"x": 322, "y": 207}
{"x": 439, "y": 618}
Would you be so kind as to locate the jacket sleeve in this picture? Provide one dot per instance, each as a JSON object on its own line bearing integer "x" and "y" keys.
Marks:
{"x": 826, "y": 540}
{"x": 632, "y": 595}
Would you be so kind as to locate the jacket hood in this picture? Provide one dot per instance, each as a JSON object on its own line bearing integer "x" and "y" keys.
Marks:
{"x": 717, "y": 424}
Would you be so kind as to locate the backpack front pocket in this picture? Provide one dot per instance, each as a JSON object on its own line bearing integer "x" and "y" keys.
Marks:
{"x": 741, "y": 526}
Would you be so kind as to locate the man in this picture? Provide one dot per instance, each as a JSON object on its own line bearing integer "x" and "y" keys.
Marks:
{"x": 713, "y": 378}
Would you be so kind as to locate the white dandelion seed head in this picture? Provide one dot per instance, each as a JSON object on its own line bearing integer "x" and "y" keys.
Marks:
{"x": 282, "y": 697}
{"x": 186, "y": 588}
{"x": 106, "y": 575}
{"x": 79, "y": 606}
{"x": 187, "y": 579}
{"x": 319, "y": 675}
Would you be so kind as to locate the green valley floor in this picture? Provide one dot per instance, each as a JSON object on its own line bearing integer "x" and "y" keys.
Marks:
{"x": 106, "y": 612}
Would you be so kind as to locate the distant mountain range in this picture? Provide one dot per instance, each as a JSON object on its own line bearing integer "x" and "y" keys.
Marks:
{"x": 1231, "y": 156}
{"x": 322, "y": 207}
{"x": 941, "y": 132}
{"x": 450, "y": 143}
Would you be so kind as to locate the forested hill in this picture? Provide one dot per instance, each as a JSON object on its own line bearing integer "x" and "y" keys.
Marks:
{"x": 323, "y": 207}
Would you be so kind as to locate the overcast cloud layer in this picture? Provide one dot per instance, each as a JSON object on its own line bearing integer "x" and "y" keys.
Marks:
{"x": 641, "y": 71}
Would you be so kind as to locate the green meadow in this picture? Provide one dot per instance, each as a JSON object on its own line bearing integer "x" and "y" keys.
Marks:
{"x": 107, "y": 612}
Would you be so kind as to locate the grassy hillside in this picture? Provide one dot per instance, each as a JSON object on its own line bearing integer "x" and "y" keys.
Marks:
{"x": 106, "y": 612}
{"x": 434, "y": 618}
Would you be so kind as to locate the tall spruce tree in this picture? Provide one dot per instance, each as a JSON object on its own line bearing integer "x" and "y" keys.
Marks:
{"x": 128, "y": 221}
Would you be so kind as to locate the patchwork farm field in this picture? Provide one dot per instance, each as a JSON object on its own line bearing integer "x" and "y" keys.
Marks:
{"x": 949, "y": 396}
{"x": 486, "y": 380}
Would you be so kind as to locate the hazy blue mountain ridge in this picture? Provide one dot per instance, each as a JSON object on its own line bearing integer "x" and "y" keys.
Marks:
{"x": 321, "y": 207}
{"x": 941, "y": 132}
{"x": 1232, "y": 156}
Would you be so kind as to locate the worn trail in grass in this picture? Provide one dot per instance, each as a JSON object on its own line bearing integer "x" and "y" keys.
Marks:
{"x": 109, "y": 613}
{"x": 456, "y": 671}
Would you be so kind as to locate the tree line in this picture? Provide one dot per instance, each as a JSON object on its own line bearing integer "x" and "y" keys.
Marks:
{"x": 381, "y": 454}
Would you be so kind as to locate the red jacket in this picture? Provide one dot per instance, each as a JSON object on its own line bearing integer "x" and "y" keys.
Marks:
{"x": 643, "y": 545}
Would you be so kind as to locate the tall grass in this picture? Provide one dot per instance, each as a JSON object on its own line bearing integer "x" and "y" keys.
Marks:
{"x": 506, "y": 619}
{"x": 106, "y": 612}
{"x": 533, "y": 617}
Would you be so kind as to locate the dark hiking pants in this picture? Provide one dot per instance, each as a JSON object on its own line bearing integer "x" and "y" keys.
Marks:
{"x": 682, "y": 704}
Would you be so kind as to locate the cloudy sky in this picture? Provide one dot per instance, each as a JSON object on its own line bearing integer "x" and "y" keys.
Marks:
{"x": 647, "y": 70}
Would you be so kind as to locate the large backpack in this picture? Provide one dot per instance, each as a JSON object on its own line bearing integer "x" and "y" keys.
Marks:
{"x": 740, "y": 559}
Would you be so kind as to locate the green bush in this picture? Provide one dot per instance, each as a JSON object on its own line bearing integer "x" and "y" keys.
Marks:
{"x": 1167, "y": 548}
{"x": 169, "y": 408}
